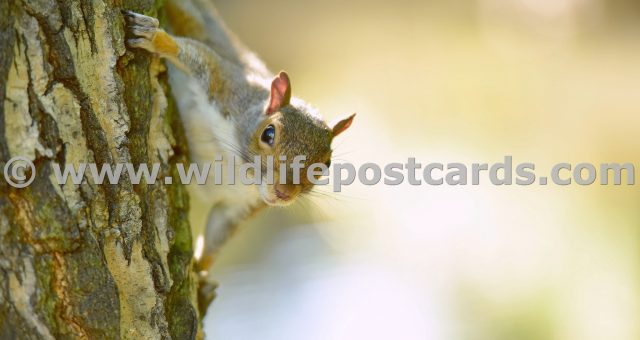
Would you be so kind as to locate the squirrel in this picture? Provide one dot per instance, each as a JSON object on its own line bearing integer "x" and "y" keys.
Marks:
{"x": 231, "y": 106}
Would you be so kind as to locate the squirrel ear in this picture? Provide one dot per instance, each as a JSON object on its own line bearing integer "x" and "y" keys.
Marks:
{"x": 280, "y": 92}
{"x": 342, "y": 125}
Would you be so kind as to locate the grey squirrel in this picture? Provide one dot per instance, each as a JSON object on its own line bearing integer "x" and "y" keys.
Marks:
{"x": 231, "y": 106}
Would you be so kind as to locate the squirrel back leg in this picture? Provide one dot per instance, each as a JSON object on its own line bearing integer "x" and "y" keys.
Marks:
{"x": 190, "y": 56}
{"x": 149, "y": 36}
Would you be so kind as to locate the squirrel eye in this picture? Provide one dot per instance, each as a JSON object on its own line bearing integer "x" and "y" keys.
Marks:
{"x": 268, "y": 135}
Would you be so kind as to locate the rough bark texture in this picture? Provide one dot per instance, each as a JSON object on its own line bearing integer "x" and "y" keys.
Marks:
{"x": 89, "y": 261}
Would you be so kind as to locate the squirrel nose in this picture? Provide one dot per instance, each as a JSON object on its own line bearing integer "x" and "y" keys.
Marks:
{"x": 283, "y": 192}
{"x": 282, "y": 195}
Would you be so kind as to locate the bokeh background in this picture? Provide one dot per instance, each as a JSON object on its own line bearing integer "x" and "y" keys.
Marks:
{"x": 546, "y": 81}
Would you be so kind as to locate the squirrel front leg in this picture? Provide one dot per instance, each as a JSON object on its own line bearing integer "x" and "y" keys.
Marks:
{"x": 192, "y": 57}
{"x": 222, "y": 222}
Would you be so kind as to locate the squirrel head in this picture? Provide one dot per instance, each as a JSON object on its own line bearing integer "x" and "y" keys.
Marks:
{"x": 289, "y": 129}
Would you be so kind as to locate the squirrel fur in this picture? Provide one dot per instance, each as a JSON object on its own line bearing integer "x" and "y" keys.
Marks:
{"x": 228, "y": 103}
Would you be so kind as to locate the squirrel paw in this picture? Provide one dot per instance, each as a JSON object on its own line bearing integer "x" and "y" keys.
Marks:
{"x": 142, "y": 29}
{"x": 206, "y": 292}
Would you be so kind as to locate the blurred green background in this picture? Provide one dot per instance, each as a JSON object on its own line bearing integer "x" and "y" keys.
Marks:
{"x": 546, "y": 81}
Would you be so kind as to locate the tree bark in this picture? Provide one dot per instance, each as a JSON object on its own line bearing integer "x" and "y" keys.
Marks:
{"x": 89, "y": 261}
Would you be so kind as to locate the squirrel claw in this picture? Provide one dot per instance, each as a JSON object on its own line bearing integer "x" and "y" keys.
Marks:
{"x": 142, "y": 29}
{"x": 206, "y": 292}
{"x": 139, "y": 19}
{"x": 142, "y": 43}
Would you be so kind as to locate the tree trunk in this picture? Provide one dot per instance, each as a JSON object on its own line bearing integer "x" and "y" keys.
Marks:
{"x": 89, "y": 261}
